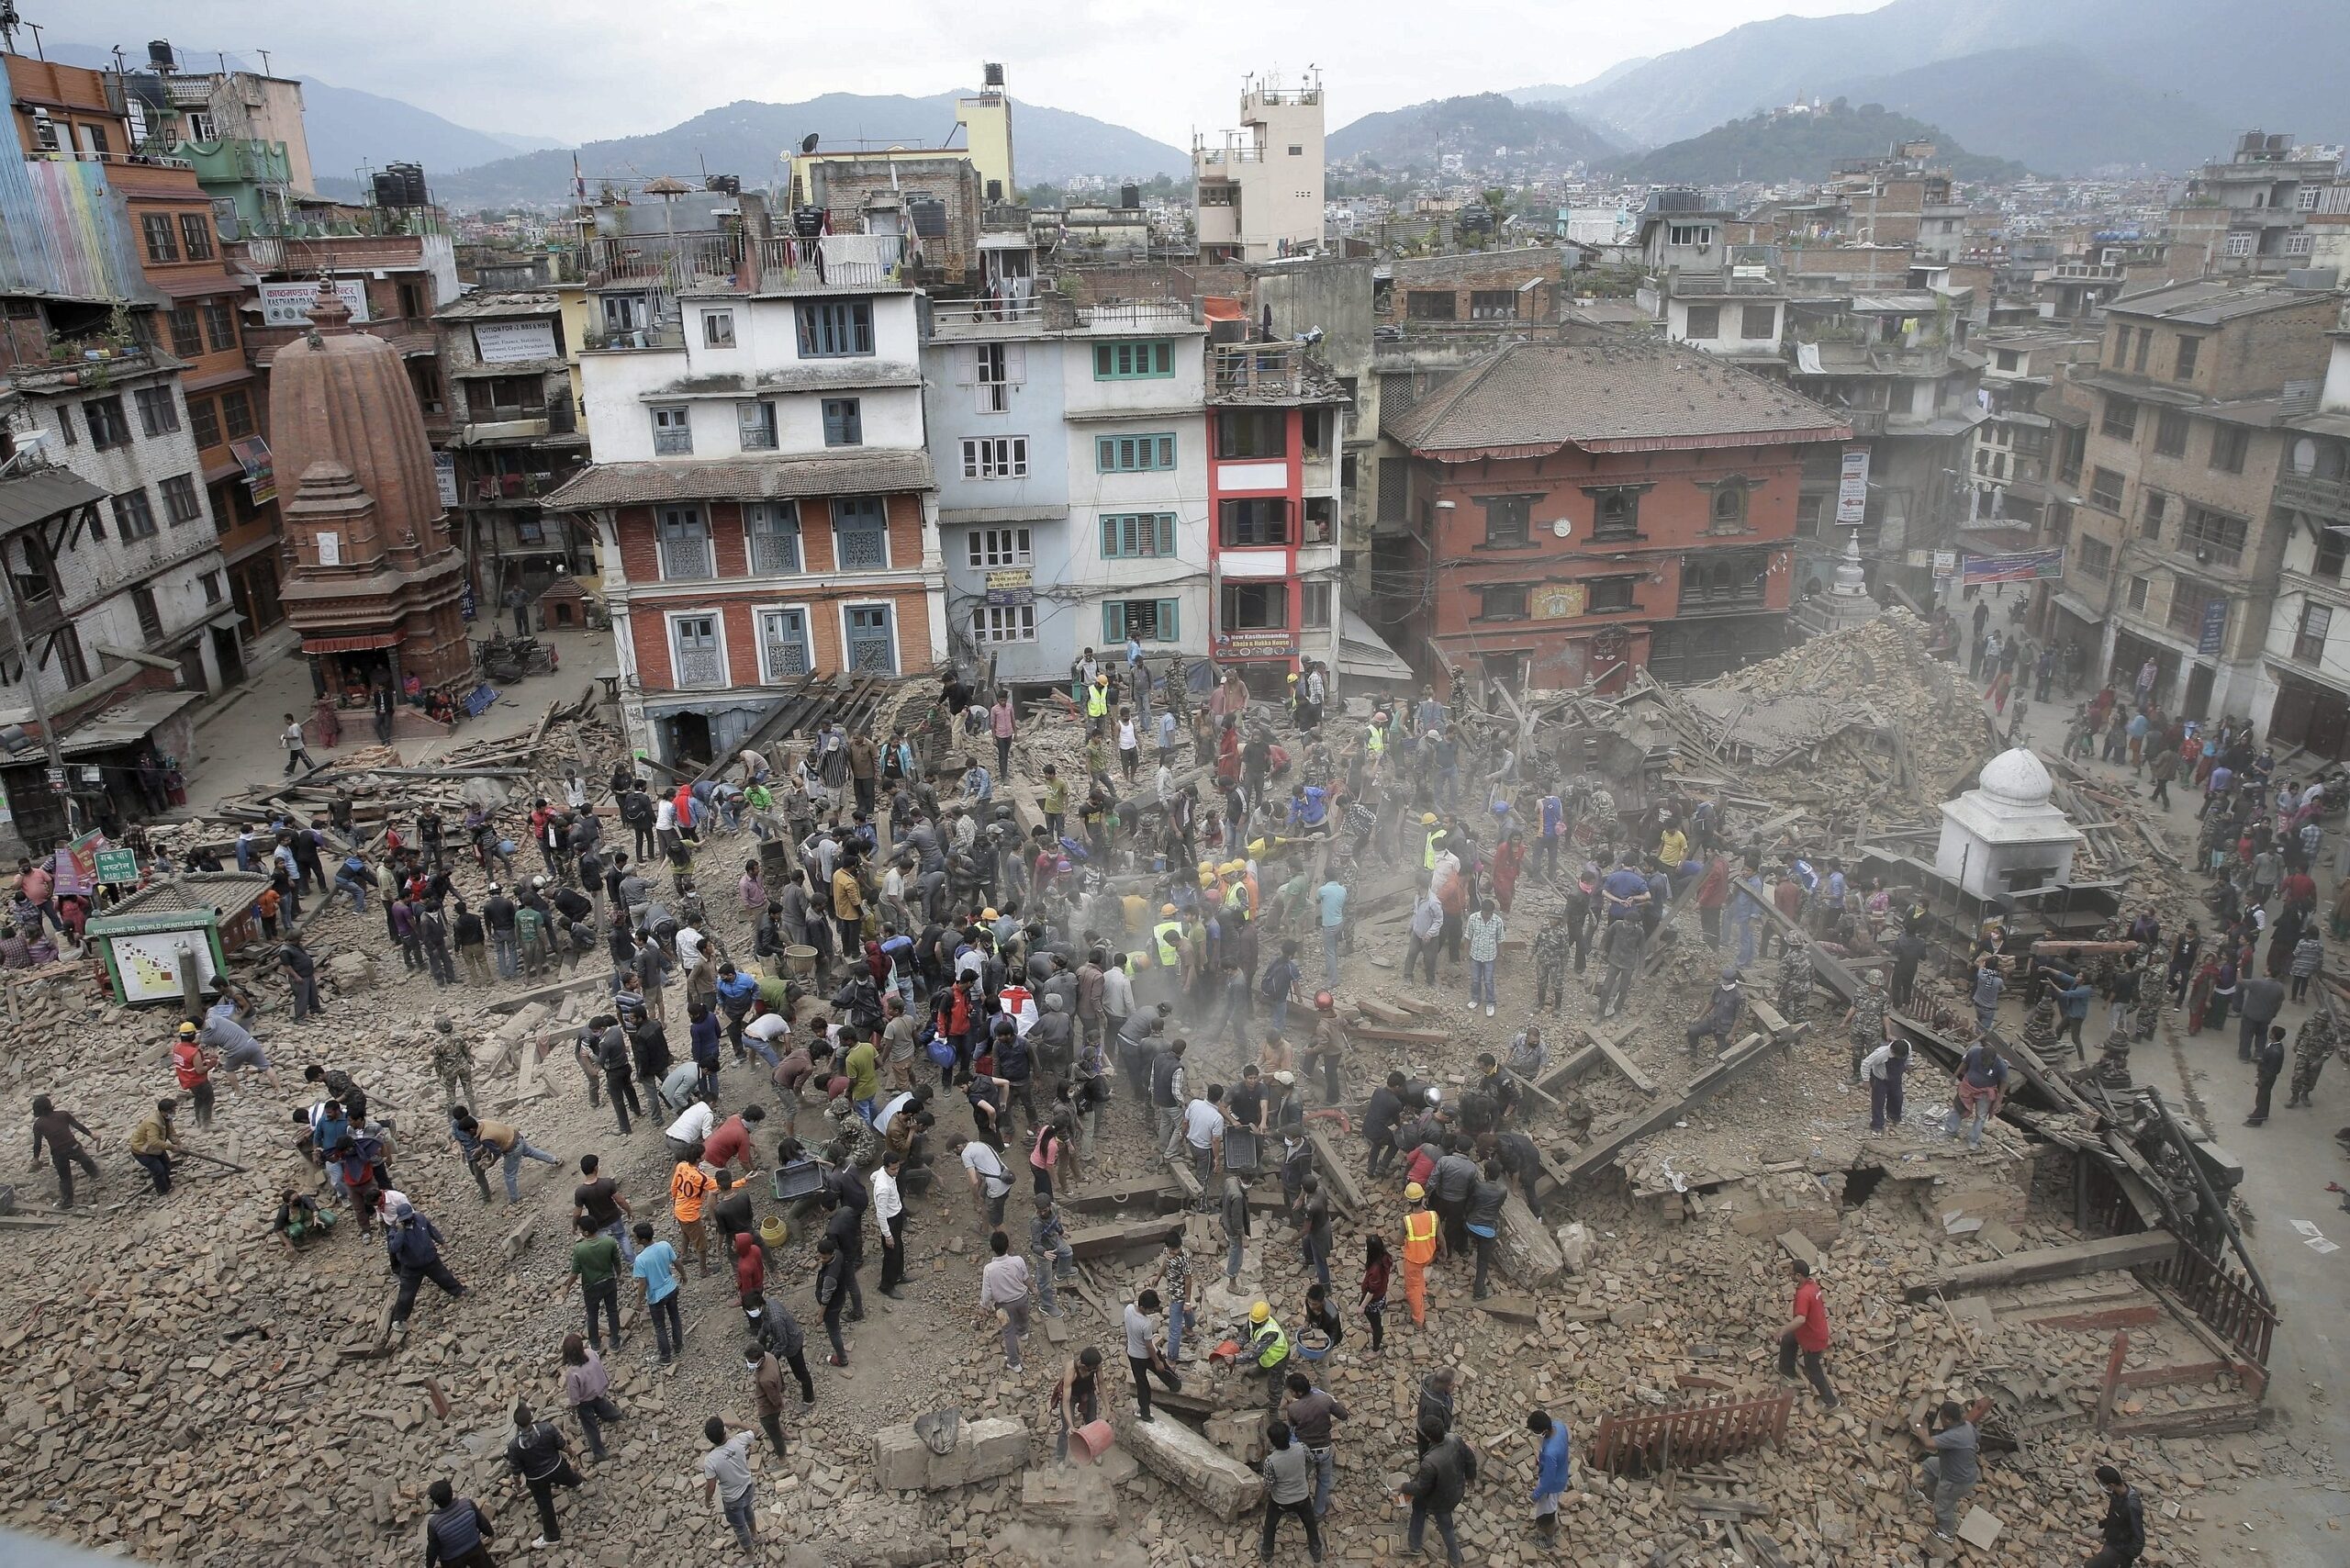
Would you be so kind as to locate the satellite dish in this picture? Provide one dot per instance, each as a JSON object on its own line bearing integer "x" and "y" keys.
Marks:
{"x": 807, "y": 143}
{"x": 1561, "y": 528}
{"x": 2304, "y": 456}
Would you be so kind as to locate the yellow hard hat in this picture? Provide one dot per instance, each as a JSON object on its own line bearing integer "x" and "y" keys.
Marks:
{"x": 187, "y": 1031}
{"x": 1167, "y": 909}
{"x": 1428, "y": 819}
{"x": 1207, "y": 878}
{"x": 1232, "y": 865}
{"x": 988, "y": 914}
{"x": 1292, "y": 677}
{"x": 1207, "y": 866}
{"x": 1259, "y": 1313}
{"x": 1415, "y": 1191}
{"x": 1256, "y": 846}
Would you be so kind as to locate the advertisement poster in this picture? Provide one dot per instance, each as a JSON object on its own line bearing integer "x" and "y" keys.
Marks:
{"x": 288, "y": 304}
{"x": 1852, "y": 488}
{"x": 75, "y": 866}
{"x": 148, "y": 963}
{"x": 513, "y": 342}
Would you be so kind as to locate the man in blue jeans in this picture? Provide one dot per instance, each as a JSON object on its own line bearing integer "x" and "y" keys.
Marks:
{"x": 1483, "y": 930}
{"x": 657, "y": 1290}
{"x": 1173, "y": 1281}
{"x": 727, "y": 1468}
{"x": 1330, "y": 900}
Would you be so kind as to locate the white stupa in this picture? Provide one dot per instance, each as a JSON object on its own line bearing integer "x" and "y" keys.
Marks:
{"x": 2004, "y": 836}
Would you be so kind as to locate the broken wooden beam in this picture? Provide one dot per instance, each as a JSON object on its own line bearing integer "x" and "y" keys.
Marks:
{"x": 1735, "y": 1063}
{"x": 1627, "y": 1067}
{"x": 1335, "y": 1176}
{"x": 2139, "y": 1249}
{"x": 1400, "y": 1037}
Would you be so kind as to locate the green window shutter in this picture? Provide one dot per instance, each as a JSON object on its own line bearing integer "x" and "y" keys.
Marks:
{"x": 1105, "y": 453}
{"x": 1166, "y": 533}
{"x": 1102, "y": 361}
{"x": 1170, "y": 623}
{"x": 1114, "y": 621}
{"x": 1162, "y": 356}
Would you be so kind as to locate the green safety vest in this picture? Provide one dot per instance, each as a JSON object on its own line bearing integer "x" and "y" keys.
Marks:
{"x": 1097, "y": 701}
{"x": 1169, "y": 933}
{"x": 1273, "y": 1345}
{"x": 1428, "y": 851}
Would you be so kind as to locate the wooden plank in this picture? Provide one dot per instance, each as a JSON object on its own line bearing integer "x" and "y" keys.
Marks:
{"x": 1335, "y": 1176}
{"x": 1100, "y": 1240}
{"x": 1401, "y": 1036}
{"x": 2137, "y": 1250}
{"x": 1628, "y": 1067}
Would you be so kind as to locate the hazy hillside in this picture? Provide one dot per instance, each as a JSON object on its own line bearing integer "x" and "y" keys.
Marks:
{"x": 2056, "y": 110}
{"x": 751, "y": 140}
{"x": 1475, "y": 127}
{"x": 2226, "y": 54}
{"x": 1799, "y": 147}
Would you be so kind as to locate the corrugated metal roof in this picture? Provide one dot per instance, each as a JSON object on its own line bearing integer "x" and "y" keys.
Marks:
{"x": 27, "y": 498}
{"x": 743, "y": 478}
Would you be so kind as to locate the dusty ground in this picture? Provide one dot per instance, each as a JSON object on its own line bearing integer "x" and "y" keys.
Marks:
{"x": 177, "y": 1395}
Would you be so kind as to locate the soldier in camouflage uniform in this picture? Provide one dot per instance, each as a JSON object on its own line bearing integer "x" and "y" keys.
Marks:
{"x": 2316, "y": 1042}
{"x": 1550, "y": 944}
{"x": 1864, "y": 1024}
{"x": 1796, "y": 979}
{"x": 2150, "y": 1005}
{"x": 453, "y": 1062}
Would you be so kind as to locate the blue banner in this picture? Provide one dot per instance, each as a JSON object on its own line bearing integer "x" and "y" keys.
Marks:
{"x": 2016, "y": 566}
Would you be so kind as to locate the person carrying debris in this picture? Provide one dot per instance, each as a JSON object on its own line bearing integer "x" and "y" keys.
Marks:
{"x": 1982, "y": 1084}
{"x": 1948, "y": 1476}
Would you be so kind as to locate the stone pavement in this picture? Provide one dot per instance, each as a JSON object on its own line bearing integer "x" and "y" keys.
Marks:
{"x": 236, "y": 737}
{"x": 2295, "y": 1503}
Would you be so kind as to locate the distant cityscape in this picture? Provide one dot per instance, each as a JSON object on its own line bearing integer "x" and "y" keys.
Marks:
{"x": 1413, "y": 402}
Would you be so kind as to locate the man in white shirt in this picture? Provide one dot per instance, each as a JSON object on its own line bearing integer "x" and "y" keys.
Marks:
{"x": 687, "y": 1132}
{"x": 889, "y": 1218}
{"x": 665, "y": 823}
{"x": 890, "y": 1109}
{"x": 690, "y": 945}
{"x": 1003, "y": 1287}
{"x": 990, "y": 1182}
{"x": 1203, "y": 1133}
{"x": 727, "y": 1472}
{"x": 767, "y": 1028}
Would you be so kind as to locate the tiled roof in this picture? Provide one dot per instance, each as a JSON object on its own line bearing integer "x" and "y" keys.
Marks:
{"x": 1623, "y": 394}
{"x": 742, "y": 479}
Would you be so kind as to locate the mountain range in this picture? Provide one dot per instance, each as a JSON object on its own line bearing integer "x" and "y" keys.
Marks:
{"x": 751, "y": 140}
{"x": 2066, "y": 86}
{"x": 1417, "y": 137}
{"x": 350, "y": 130}
{"x": 1768, "y": 149}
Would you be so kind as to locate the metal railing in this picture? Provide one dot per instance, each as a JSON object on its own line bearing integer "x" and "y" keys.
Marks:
{"x": 1137, "y": 313}
{"x": 677, "y": 260}
{"x": 847, "y": 262}
{"x": 118, "y": 160}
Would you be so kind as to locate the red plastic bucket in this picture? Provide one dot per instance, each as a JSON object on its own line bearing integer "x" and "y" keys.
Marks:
{"x": 1094, "y": 1440}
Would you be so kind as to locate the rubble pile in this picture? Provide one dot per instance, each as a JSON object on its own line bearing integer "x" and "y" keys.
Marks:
{"x": 150, "y": 1336}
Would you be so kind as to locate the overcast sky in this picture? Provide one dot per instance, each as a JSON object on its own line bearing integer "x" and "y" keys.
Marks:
{"x": 576, "y": 70}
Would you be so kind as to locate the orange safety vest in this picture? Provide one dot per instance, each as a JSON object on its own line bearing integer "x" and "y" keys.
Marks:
{"x": 1419, "y": 1237}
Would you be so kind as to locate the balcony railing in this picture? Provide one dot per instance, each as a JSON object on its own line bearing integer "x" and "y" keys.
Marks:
{"x": 846, "y": 263}
{"x": 677, "y": 261}
{"x": 1144, "y": 313}
{"x": 2306, "y": 492}
{"x": 119, "y": 160}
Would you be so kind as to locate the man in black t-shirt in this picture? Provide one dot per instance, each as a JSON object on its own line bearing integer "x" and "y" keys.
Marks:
{"x": 597, "y": 1199}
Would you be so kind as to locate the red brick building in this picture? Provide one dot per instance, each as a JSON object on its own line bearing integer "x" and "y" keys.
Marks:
{"x": 1581, "y": 508}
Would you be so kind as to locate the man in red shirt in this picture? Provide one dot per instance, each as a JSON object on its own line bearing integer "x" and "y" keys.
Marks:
{"x": 1807, "y": 1332}
{"x": 192, "y": 1065}
{"x": 731, "y": 1139}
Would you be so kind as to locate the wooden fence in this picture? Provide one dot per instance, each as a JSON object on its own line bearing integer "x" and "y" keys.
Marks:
{"x": 1640, "y": 1442}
